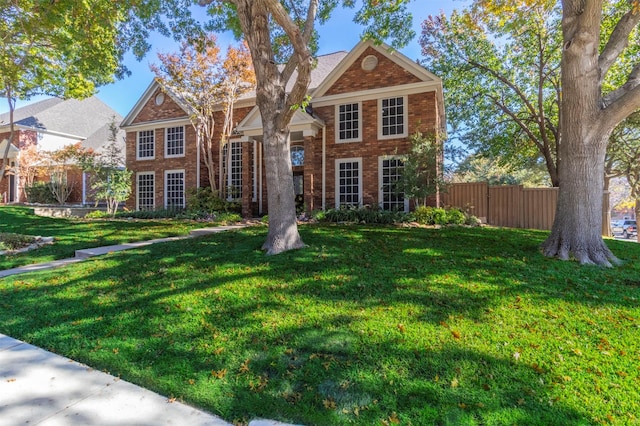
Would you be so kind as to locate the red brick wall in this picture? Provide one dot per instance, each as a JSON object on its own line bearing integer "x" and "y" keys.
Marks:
{"x": 421, "y": 115}
{"x": 152, "y": 112}
{"x": 386, "y": 74}
{"x": 160, "y": 164}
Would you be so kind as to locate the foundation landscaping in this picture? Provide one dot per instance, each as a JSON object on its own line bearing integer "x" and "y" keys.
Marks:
{"x": 369, "y": 324}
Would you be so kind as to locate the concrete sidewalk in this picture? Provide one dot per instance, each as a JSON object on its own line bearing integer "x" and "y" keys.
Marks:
{"x": 40, "y": 388}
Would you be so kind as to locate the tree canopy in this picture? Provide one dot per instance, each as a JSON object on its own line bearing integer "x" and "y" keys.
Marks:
{"x": 67, "y": 48}
{"x": 204, "y": 82}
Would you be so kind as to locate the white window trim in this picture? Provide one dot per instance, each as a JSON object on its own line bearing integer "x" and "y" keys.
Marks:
{"x": 166, "y": 142}
{"x": 380, "y": 183}
{"x": 405, "y": 118}
{"x": 153, "y": 157}
{"x": 138, "y": 174}
{"x": 337, "y": 178}
{"x": 184, "y": 188}
{"x": 337, "y": 123}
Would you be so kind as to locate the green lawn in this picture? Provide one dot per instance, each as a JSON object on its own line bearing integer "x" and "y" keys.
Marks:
{"x": 74, "y": 234}
{"x": 366, "y": 326}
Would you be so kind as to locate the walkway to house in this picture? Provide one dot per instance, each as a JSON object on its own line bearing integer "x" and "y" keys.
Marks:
{"x": 41, "y": 388}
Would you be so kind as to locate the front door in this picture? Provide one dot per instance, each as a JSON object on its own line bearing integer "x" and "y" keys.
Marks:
{"x": 298, "y": 188}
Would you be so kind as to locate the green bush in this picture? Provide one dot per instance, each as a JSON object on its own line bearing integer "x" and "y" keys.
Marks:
{"x": 40, "y": 193}
{"x": 204, "y": 200}
{"x": 150, "y": 214}
{"x": 367, "y": 214}
{"x": 97, "y": 214}
{"x": 440, "y": 216}
{"x": 456, "y": 217}
{"x": 11, "y": 241}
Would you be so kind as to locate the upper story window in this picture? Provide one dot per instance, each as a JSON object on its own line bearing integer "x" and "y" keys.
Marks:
{"x": 393, "y": 118}
{"x": 174, "y": 146}
{"x": 146, "y": 145}
{"x": 297, "y": 155}
{"x": 349, "y": 122}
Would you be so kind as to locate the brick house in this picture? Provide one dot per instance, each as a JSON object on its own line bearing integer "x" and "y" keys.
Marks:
{"x": 49, "y": 125}
{"x": 344, "y": 148}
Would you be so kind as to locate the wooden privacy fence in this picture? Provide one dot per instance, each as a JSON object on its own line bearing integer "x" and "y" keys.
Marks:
{"x": 510, "y": 205}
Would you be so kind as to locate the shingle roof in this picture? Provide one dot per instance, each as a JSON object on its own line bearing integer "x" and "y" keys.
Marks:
{"x": 323, "y": 67}
{"x": 80, "y": 118}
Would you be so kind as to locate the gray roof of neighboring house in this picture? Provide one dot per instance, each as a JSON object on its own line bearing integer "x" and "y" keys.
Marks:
{"x": 81, "y": 118}
{"x": 98, "y": 140}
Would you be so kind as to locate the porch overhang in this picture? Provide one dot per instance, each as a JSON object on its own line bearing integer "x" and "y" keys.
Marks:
{"x": 302, "y": 125}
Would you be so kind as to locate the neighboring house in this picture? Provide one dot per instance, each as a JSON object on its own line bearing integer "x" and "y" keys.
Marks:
{"x": 345, "y": 148}
{"x": 50, "y": 125}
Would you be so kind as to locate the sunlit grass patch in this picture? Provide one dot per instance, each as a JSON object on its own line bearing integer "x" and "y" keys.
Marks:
{"x": 365, "y": 326}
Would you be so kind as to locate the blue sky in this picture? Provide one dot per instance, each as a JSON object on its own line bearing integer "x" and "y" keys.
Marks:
{"x": 340, "y": 33}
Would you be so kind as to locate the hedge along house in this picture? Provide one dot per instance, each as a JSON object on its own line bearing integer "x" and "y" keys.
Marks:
{"x": 346, "y": 147}
{"x": 49, "y": 125}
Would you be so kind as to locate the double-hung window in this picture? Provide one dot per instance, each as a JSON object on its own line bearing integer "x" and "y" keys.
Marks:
{"x": 390, "y": 172}
{"x": 349, "y": 182}
{"x": 145, "y": 190}
{"x": 349, "y": 122}
{"x": 392, "y": 122}
{"x": 174, "y": 142}
{"x": 174, "y": 189}
{"x": 146, "y": 145}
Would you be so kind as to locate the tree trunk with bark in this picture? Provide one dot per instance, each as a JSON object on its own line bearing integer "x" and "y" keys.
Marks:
{"x": 576, "y": 231}
{"x": 276, "y": 112}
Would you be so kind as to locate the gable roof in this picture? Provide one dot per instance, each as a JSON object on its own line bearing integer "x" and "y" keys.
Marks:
{"x": 71, "y": 117}
{"x": 324, "y": 65}
{"x": 348, "y": 60}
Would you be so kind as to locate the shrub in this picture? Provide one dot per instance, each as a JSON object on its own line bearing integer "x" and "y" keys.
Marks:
{"x": 97, "y": 214}
{"x": 40, "y": 193}
{"x": 204, "y": 200}
{"x": 150, "y": 214}
{"x": 11, "y": 241}
{"x": 367, "y": 214}
{"x": 440, "y": 216}
{"x": 455, "y": 217}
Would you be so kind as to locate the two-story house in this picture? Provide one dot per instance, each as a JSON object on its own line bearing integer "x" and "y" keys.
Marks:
{"x": 345, "y": 147}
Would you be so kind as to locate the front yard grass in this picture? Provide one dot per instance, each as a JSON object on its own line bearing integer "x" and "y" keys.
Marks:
{"x": 367, "y": 326}
{"x": 76, "y": 234}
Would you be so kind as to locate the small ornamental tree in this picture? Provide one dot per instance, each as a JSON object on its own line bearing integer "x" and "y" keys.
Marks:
{"x": 109, "y": 179}
{"x": 204, "y": 83}
{"x": 58, "y": 164}
{"x": 422, "y": 176}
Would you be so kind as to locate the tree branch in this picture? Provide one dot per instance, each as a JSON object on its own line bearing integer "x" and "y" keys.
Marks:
{"x": 301, "y": 57}
{"x": 622, "y": 102}
{"x": 618, "y": 41}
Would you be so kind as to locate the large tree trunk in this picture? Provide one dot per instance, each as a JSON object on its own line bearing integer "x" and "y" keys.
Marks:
{"x": 283, "y": 227}
{"x": 271, "y": 99}
{"x": 576, "y": 231}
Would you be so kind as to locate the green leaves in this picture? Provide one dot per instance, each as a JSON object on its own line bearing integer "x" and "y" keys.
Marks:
{"x": 501, "y": 80}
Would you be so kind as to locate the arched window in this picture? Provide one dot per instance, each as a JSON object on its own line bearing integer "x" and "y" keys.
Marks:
{"x": 297, "y": 155}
